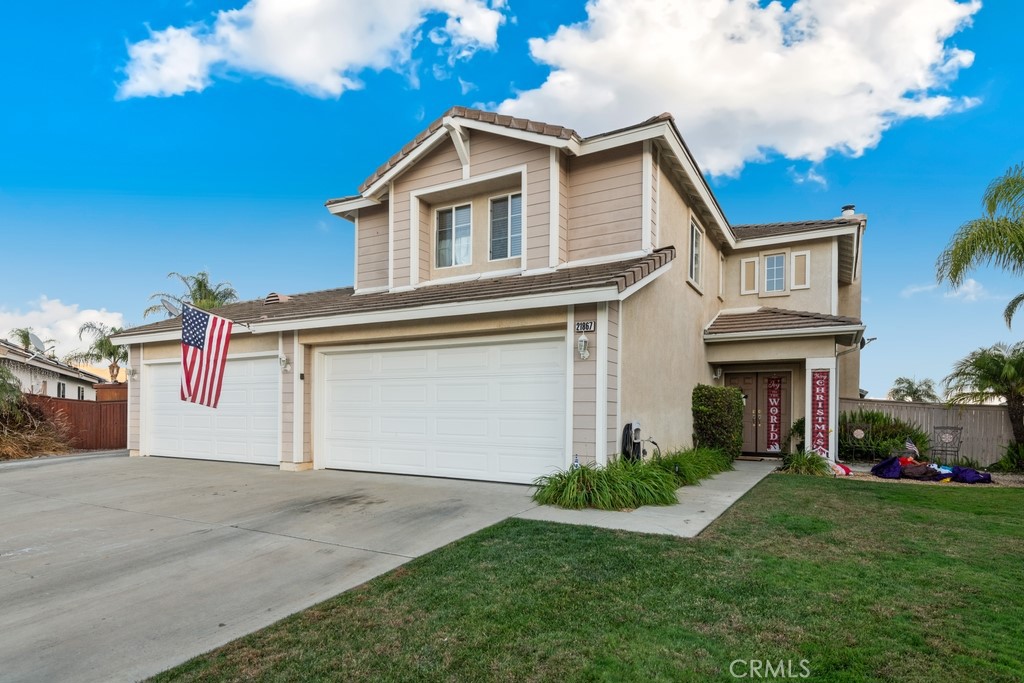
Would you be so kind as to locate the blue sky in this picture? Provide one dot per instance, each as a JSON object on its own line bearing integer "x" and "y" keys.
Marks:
{"x": 141, "y": 138}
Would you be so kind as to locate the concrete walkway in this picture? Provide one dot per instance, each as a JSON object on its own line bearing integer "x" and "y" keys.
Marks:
{"x": 698, "y": 505}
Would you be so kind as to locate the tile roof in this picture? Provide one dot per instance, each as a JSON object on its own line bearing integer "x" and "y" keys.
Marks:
{"x": 753, "y": 230}
{"x": 767, "y": 319}
{"x": 560, "y": 132}
{"x": 344, "y": 301}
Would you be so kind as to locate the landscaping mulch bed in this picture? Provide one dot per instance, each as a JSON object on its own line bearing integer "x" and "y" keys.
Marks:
{"x": 998, "y": 481}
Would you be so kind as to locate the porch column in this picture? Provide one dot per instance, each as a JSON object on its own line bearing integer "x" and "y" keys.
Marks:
{"x": 821, "y": 406}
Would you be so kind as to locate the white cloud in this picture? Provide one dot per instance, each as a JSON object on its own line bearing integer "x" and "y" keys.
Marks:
{"x": 745, "y": 80}
{"x": 970, "y": 290}
{"x": 466, "y": 86}
{"x": 811, "y": 176}
{"x": 53, "y": 319}
{"x": 911, "y": 290}
{"x": 317, "y": 46}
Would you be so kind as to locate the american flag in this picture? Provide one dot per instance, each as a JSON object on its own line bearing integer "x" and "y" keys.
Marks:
{"x": 909, "y": 445}
{"x": 204, "y": 350}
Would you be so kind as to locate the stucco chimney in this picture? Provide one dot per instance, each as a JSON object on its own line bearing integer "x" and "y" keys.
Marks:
{"x": 849, "y": 210}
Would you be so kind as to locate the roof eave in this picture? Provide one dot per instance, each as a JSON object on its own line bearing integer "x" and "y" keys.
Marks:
{"x": 825, "y": 331}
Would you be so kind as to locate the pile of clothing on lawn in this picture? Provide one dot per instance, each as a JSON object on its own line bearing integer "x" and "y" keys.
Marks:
{"x": 909, "y": 467}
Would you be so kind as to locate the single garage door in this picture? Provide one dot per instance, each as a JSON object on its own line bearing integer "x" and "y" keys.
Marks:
{"x": 243, "y": 427}
{"x": 492, "y": 411}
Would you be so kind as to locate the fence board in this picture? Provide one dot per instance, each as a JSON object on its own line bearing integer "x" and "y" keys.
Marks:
{"x": 93, "y": 425}
{"x": 986, "y": 428}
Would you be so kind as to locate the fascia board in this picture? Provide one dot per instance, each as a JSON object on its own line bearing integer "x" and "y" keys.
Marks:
{"x": 807, "y": 236}
{"x": 342, "y": 208}
{"x": 571, "y": 146}
{"x": 637, "y": 286}
{"x": 783, "y": 334}
{"x": 554, "y": 299}
{"x": 424, "y": 148}
{"x": 164, "y": 335}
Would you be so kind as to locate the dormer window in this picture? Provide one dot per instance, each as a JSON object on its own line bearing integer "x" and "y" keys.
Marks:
{"x": 506, "y": 227}
{"x": 454, "y": 236}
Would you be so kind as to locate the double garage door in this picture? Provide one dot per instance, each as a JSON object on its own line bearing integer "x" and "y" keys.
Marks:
{"x": 492, "y": 411}
{"x": 243, "y": 427}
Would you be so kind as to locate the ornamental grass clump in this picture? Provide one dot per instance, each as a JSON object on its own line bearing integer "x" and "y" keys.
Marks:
{"x": 689, "y": 467}
{"x": 807, "y": 463}
{"x": 621, "y": 485}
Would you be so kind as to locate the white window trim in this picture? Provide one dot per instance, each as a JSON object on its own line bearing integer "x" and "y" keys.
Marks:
{"x": 696, "y": 282}
{"x": 744, "y": 285}
{"x": 807, "y": 270}
{"x": 785, "y": 278}
{"x": 452, "y": 207}
{"x": 721, "y": 277}
{"x": 522, "y": 210}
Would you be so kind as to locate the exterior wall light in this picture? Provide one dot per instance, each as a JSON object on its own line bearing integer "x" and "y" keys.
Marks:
{"x": 130, "y": 372}
{"x": 286, "y": 365}
{"x": 582, "y": 346}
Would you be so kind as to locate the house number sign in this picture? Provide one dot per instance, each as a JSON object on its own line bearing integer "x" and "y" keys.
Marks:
{"x": 586, "y": 326}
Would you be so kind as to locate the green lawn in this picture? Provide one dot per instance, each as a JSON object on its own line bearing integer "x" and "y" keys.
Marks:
{"x": 864, "y": 581}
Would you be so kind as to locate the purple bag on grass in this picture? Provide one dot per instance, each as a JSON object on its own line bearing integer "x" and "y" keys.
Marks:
{"x": 965, "y": 475}
{"x": 887, "y": 469}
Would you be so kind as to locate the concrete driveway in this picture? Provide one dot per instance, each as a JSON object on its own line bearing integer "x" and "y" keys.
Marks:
{"x": 115, "y": 568}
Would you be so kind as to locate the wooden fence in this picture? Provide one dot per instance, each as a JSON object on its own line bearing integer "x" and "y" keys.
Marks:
{"x": 93, "y": 425}
{"x": 986, "y": 429}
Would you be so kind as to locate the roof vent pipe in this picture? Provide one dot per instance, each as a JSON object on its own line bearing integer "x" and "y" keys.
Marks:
{"x": 849, "y": 210}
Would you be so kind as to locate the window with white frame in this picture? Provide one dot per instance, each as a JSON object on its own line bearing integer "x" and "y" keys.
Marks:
{"x": 506, "y": 227}
{"x": 696, "y": 252}
{"x": 454, "y": 236}
{"x": 721, "y": 276}
{"x": 81, "y": 393}
{"x": 775, "y": 273}
{"x": 62, "y": 390}
{"x": 801, "y": 277}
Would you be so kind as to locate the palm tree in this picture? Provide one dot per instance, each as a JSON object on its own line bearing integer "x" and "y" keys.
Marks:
{"x": 199, "y": 293}
{"x": 988, "y": 373}
{"x": 101, "y": 350}
{"x": 22, "y": 336}
{"x": 907, "y": 389}
{"x": 997, "y": 238}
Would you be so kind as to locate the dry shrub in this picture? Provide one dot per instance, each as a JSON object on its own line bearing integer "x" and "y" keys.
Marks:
{"x": 25, "y": 430}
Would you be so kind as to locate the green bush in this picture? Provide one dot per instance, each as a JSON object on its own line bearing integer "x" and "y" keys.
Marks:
{"x": 803, "y": 462}
{"x": 689, "y": 467}
{"x": 885, "y": 434}
{"x": 795, "y": 436}
{"x": 1012, "y": 460}
{"x": 620, "y": 485}
{"x": 718, "y": 419}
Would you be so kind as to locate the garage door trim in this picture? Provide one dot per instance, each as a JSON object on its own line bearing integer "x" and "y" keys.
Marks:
{"x": 320, "y": 353}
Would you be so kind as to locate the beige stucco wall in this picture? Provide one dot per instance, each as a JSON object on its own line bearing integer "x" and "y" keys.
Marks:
{"x": 372, "y": 247}
{"x": 662, "y": 350}
{"x": 817, "y": 298}
{"x": 770, "y": 350}
{"x": 605, "y": 203}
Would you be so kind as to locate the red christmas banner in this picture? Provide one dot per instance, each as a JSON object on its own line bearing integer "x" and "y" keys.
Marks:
{"x": 774, "y": 413}
{"x": 819, "y": 411}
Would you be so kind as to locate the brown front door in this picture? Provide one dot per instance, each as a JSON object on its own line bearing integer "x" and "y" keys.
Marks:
{"x": 766, "y": 415}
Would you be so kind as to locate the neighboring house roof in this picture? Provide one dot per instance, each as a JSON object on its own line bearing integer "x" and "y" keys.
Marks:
{"x": 730, "y": 325}
{"x": 12, "y": 353}
{"x": 750, "y": 231}
{"x": 331, "y": 303}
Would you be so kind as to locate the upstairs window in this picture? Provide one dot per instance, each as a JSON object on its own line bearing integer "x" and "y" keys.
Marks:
{"x": 454, "y": 236}
{"x": 696, "y": 252}
{"x": 775, "y": 273}
{"x": 506, "y": 227}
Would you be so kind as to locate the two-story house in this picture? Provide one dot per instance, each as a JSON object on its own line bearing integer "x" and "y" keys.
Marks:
{"x": 521, "y": 294}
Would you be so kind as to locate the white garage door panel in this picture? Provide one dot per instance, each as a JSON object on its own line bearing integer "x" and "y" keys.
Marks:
{"x": 243, "y": 427}
{"x": 486, "y": 411}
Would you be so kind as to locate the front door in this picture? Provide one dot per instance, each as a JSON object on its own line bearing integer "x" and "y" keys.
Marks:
{"x": 766, "y": 413}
